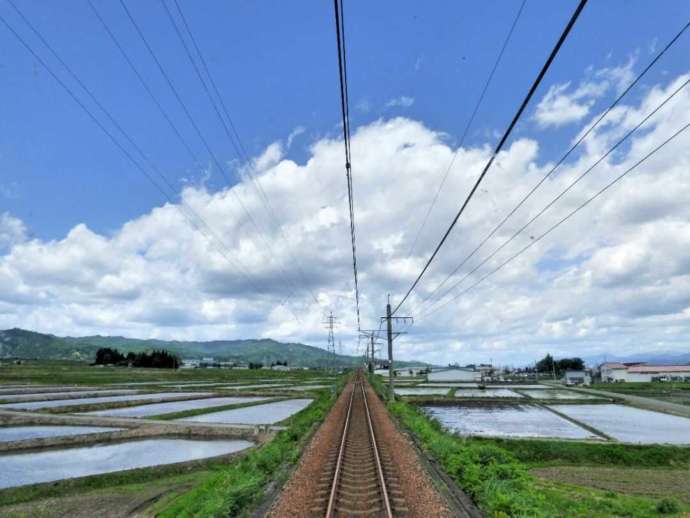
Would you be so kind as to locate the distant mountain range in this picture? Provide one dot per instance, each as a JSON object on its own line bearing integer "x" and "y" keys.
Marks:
{"x": 20, "y": 343}
{"x": 656, "y": 358}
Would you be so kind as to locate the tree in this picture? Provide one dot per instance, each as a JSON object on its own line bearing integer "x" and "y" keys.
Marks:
{"x": 155, "y": 359}
{"x": 108, "y": 356}
{"x": 546, "y": 364}
{"x": 570, "y": 364}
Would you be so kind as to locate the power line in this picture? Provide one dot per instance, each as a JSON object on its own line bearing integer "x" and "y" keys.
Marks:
{"x": 568, "y": 188}
{"x": 582, "y": 137}
{"x": 467, "y": 126}
{"x": 500, "y": 144}
{"x": 344, "y": 107}
{"x": 144, "y": 84}
{"x": 229, "y": 128}
{"x": 188, "y": 210}
{"x": 571, "y": 214}
{"x": 199, "y": 133}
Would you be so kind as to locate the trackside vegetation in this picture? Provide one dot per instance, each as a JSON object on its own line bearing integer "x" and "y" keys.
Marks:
{"x": 238, "y": 488}
{"x": 496, "y": 473}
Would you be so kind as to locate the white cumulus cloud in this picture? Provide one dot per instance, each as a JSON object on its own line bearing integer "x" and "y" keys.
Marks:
{"x": 615, "y": 278}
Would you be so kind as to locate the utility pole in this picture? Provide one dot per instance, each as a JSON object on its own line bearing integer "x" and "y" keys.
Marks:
{"x": 371, "y": 336}
{"x": 391, "y": 335}
{"x": 330, "y": 323}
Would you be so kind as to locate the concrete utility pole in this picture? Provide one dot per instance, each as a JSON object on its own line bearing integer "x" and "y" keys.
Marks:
{"x": 371, "y": 358}
{"x": 371, "y": 335}
{"x": 391, "y": 370}
{"x": 389, "y": 328}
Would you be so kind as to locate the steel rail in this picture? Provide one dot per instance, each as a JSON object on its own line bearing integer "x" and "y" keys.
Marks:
{"x": 338, "y": 467}
{"x": 379, "y": 468}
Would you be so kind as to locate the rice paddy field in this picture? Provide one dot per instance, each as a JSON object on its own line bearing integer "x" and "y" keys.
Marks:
{"x": 547, "y": 450}
{"x": 73, "y": 436}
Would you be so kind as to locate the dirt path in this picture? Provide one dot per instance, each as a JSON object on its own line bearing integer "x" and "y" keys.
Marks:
{"x": 643, "y": 402}
{"x": 301, "y": 491}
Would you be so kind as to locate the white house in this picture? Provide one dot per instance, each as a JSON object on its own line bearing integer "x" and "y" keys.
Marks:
{"x": 612, "y": 372}
{"x": 458, "y": 374}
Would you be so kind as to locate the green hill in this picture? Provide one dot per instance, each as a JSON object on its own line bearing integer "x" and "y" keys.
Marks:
{"x": 20, "y": 343}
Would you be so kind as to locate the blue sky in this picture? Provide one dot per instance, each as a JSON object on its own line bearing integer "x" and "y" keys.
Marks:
{"x": 275, "y": 64}
{"x": 102, "y": 249}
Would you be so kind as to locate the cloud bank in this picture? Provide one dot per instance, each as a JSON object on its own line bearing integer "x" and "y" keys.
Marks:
{"x": 614, "y": 279}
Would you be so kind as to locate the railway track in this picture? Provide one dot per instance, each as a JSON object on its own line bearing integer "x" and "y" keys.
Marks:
{"x": 358, "y": 477}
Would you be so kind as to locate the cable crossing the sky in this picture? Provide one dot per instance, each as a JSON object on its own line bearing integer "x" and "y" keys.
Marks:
{"x": 345, "y": 113}
{"x": 477, "y": 105}
{"x": 577, "y": 143}
{"x": 499, "y": 146}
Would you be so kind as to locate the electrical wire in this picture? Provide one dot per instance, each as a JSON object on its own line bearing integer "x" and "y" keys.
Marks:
{"x": 467, "y": 126}
{"x": 577, "y": 143}
{"x": 499, "y": 146}
{"x": 571, "y": 214}
{"x": 230, "y": 129}
{"x": 188, "y": 213}
{"x": 205, "y": 143}
{"x": 567, "y": 189}
{"x": 345, "y": 112}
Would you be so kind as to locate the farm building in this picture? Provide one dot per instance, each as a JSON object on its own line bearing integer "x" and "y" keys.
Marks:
{"x": 458, "y": 374}
{"x": 612, "y": 372}
{"x": 577, "y": 378}
{"x": 642, "y": 372}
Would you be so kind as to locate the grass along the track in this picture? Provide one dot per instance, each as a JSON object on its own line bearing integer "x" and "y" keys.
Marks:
{"x": 238, "y": 487}
{"x": 496, "y": 474}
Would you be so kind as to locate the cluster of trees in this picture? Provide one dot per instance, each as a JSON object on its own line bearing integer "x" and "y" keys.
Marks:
{"x": 155, "y": 359}
{"x": 548, "y": 364}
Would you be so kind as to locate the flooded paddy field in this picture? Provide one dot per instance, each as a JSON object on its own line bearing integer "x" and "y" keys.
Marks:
{"x": 36, "y": 405}
{"x": 628, "y": 424}
{"x": 51, "y": 465}
{"x": 556, "y": 394}
{"x": 42, "y": 389}
{"x": 448, "y": 384}
{"x": 506, "y": 421}
{"x": 152, "y": 409}
{"x": 487, "y": 393}
{"x": 414, "y": 391}
{"x": 268, "y": 413}
{"x": 254, "y": 386}
{"x": 21, "y": 433}
{"x": 44, "y": 396}
{"x": 306, "y": 387}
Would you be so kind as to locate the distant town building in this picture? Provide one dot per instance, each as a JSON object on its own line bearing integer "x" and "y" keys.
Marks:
{"x": 457, "y": 374}
{"x": 612, "y": 372}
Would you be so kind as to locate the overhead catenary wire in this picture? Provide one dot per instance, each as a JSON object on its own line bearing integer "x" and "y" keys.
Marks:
{"x": 563, "y": 158}
{"x": 499, "y": 146}
{"x": 192, "y": 217}
{"x": 345, "y": 113}
{"x": 564, "y": 191}
{"x": 468, "y": 125}
{"x": 572, "y": 213}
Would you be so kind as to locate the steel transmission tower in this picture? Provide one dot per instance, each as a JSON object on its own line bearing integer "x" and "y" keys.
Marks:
{"x": 330, "y": 324}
